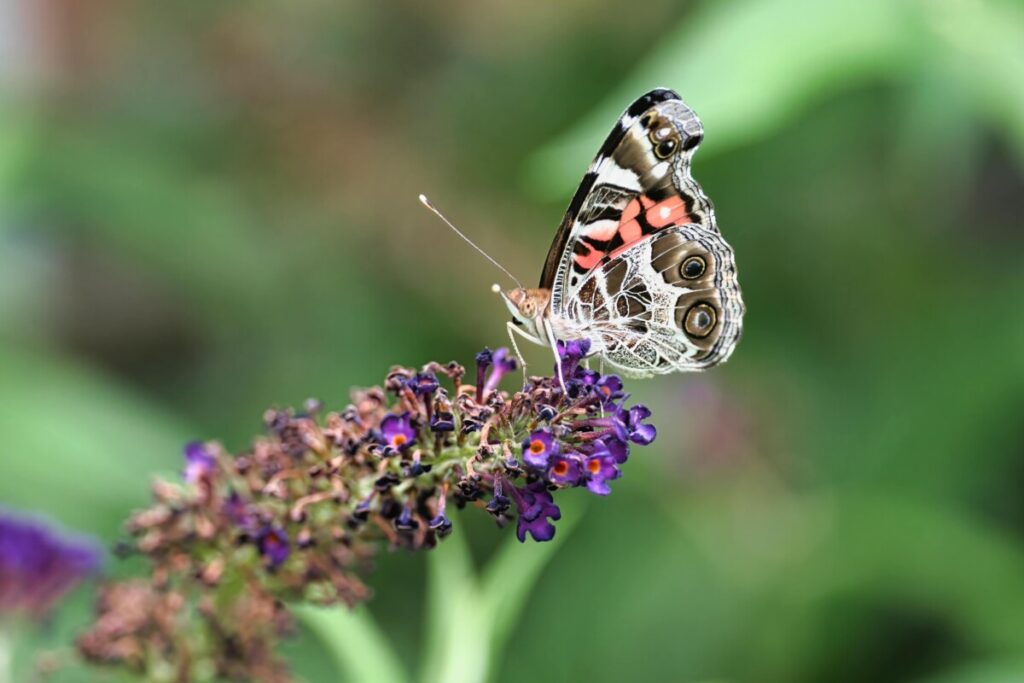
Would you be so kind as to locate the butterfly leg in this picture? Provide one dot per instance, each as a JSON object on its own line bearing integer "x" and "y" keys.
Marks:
{"x": 553, "y": 342}
{"x": 515, "y": 347}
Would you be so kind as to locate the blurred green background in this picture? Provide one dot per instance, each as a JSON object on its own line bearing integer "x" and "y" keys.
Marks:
{"x": 210, "y": 208}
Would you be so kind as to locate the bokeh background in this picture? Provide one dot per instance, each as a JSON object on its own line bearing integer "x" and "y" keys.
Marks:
{"x": 210, "y": 208}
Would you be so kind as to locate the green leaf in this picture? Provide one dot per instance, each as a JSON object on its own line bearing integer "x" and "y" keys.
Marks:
{"x": 79, "y": 447}
{"x": 981, "y": 46}
{"x": 746, "y": 67}
{"x": 998, "y": 671}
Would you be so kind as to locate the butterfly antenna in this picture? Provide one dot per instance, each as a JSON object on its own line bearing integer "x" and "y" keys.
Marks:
{"x": 426, "y": 203}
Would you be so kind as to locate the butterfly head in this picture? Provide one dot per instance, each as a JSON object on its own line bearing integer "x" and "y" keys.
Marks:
{"x": 527, "y": 306}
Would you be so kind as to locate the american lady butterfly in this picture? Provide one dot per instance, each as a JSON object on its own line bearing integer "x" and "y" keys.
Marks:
{"x": 638, "y": 265}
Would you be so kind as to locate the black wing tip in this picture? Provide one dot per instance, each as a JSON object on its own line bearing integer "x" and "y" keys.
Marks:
{"x": 649, "y": 99}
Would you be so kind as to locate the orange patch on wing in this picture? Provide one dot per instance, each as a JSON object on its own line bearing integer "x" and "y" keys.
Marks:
{"x": 631, "y": 211}
{"x": 589, "y": 260}
{"x": 630, "y": 232}
{"x": 628, "y": 228}
{"x": 672, "y": 211}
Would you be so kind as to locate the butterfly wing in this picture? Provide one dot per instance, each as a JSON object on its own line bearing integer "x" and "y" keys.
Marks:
{"x": 665, "y": 304}
{"x": 639, "y": 183}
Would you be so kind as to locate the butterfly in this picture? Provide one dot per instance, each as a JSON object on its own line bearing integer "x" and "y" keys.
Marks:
{"x": 638, "y": 266}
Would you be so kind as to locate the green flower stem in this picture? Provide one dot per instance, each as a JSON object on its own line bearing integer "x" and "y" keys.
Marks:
{"x": 359, "y": 649}
{"x": 6, "y": 657}
{"x": 471, "y": 617}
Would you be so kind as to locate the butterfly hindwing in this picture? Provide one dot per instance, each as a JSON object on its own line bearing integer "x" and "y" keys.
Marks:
{"x": 665, "y": 304}
{"x": 638, "y": 184}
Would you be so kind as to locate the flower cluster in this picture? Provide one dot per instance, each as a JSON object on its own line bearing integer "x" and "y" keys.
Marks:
{"x": 38, "y": 566}
{"x": 300, "y": 514}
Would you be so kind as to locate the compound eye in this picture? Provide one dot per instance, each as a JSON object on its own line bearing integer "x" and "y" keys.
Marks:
{"x": 692, "y": 268}
{"x": 700, "y": 320}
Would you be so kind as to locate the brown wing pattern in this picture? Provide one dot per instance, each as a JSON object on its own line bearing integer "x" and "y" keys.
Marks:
{"x": 670, "y": 303}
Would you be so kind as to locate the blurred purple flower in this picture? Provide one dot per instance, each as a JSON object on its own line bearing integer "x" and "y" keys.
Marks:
{"x": 273, "y": 545}
{"x": 38, "y": 565}
{"x": 199, "y": 462}
{"x": 442, "y": 422}
{"x": 423, "y": 383}
{"x": 237, "y": 511}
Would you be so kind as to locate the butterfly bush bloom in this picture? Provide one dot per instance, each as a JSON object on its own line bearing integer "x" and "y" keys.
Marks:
{"x": 539, "y": 447}
{"x": 198, "y": 462}
{"x": 300, "y": 515}
{"x": 39, "y": 565}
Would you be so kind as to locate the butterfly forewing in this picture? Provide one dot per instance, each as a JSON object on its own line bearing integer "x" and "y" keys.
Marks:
{"x": 639, "y": 183}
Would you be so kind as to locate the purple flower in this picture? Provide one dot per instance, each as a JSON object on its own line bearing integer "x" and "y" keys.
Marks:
{"x": 272, "y": 542}
{"x": 236, "y": 510}
{"x": 441, "y": 525}
{"x": 397, "y": 431}
{"x": 199, "y": 462}
{"x": 619, "y": 450}
{"x": 570, "y": 354}
{"x": 442, "y": 422}
{"x": 423, "y": 383}
{"x": 498, "y": 504}
{"x": 609, "y": 389}
{"x": 624, "y": 425}
{"x": 484, "y": 359}
{"x": 361, "y": 513}
{"x": 582, "y": 382}
{"x": 38, "y": 566}
{"x": 599, "y": 469}
{"x": 546, "y": 412}
{"x": 503, "y": 364}
{"x": 565, "y": 470}
{"x": 633, "y": 422}
{"x": 608, "y": 427}
{"x": 539, "y": 447}
{"x": 416, "y": 468}
{"x": 405, "y": 520}
{"x": 535, "y": 507}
